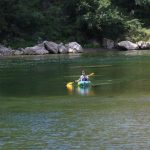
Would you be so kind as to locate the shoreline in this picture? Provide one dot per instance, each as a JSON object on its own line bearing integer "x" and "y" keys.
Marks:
{"x": 99, "y": 49}
{"x": 85, "y": 50}
{"x": 50, "y": 48}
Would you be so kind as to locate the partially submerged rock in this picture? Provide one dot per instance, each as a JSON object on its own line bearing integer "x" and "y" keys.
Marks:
{"x": 62, "y": 49}
{"x": 74, "y": 47}
{"x": 143, "y": 45}
{"x": 35, "y": 50}
{"x": 127, "y": 45}
{"x": 4, "y": 51}
{"x": 17, "y": 52}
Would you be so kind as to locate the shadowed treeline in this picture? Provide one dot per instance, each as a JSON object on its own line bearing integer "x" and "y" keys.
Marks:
{"x": 83, "y": 21}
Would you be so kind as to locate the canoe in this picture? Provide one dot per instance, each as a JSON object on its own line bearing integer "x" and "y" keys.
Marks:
{"x": 84, "y": 83}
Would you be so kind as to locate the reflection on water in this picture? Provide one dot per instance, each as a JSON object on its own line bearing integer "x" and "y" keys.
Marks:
{"x": 136, "y": 53}
{"x": 70, "y": 88}
{"x": 83, "y": 91}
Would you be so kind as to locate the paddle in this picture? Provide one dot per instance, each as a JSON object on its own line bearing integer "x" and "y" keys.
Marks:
{"x": 70, "y": 83}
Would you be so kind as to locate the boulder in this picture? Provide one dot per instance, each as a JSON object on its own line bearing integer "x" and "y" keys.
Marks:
{"x": 36, "y": 50}
{"x": 4, "y": 51}
{"x": 62, "y": 49}
{"x": 74, "y": 47}
{"x": 143, "y": 45}
{"x": 17, "y": 52}
{"x": 70, "y": 50}
{"x": 51, "y": 47}
{"x": 108, "y": 43}
{"x": 127, "y": 45}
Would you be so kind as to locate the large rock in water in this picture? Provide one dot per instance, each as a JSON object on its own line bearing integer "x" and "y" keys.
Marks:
{"x": 4, "y": 51}
{"x": 127, "y": 45}
{"x": 35, "y": 50}
{"x": 143, "y": 45}
{"x": 51, "y": 47}
{"x": 74, "y": 47}
{"x": 62, "y": 49}
{"x": 18, "y": 52}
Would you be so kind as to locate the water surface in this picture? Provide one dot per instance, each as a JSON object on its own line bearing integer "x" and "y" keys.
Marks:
{"x": 38, "y": 112}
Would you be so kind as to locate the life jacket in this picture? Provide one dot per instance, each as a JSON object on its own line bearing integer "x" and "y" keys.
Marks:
{"x": 84, "y": 78}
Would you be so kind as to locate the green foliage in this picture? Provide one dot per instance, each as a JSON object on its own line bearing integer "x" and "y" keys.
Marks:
{"x": 102, "y": 19}
{"x": 25, "y": 22}
{"x": 142, "y": 11}
{"x": 141, "y": 34}
{"x": 138, "y": 9}
{"x": 142, "y": 2}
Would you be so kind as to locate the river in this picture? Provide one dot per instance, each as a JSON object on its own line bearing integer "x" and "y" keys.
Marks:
{"x": 37, "y": 111}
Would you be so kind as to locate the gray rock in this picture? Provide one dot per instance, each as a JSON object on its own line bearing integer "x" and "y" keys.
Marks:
{"x": 74, "y": 47}
{"x": 36, "y": 50}
{"x": 143, "y": 45}
{"x": 4, "y": 51}
{"x": 109, "y": 44}
{"x": 17, "y": 52}
{"x": 62, "y": 49}
{"x": 41, "y": 44}
{"x": 51, "y": 47}
{"x": 127, "y": 45}
{"x": 70, "y": 50}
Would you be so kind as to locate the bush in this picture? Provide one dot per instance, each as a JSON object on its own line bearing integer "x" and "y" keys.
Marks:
{"x": 141, "y": 34}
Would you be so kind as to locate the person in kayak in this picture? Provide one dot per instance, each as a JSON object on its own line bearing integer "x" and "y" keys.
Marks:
{"x": 83, "y": 77}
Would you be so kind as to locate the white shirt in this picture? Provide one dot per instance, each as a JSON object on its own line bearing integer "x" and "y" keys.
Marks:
{"x": 84, "y": 78}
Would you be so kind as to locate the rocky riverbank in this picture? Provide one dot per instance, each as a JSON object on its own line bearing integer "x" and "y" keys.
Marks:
{"x": 48, "y": 47}
{"x": 126, "y": 45}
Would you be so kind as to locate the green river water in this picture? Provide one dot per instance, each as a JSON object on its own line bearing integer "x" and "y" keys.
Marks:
{"x": 38, "y": 112}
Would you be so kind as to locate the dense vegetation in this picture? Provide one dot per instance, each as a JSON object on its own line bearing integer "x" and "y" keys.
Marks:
{"x": 25, "y": 22}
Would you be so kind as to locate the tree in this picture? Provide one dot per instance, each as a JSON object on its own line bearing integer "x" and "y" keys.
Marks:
{"x": 70, "y": 20}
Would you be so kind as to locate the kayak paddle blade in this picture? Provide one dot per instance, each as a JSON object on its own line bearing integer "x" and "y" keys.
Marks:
{"x": 91, "y": 74}
{"x": 69, "y": 83}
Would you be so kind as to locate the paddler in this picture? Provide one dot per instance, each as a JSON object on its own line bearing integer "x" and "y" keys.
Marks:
{"x": 83, "y": 77}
